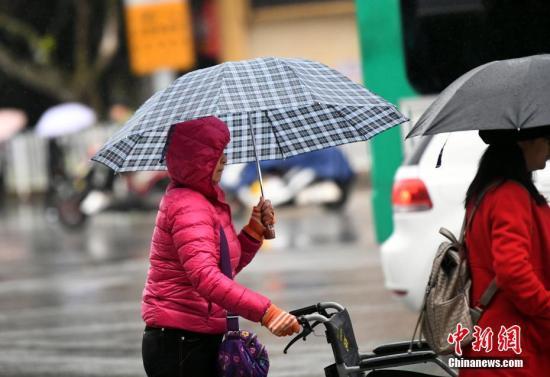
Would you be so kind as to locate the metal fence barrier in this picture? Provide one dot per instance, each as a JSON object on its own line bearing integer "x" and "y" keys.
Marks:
{"x": 26, "y": 158}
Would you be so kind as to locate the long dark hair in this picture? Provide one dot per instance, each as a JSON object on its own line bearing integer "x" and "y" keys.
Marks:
{"x": 502, "y": 161}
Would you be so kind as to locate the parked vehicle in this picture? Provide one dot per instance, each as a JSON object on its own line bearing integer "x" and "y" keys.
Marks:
{"x": 322, "y": 177}
{"x": 100, "y": 190}
{"x": 426, "y": 198}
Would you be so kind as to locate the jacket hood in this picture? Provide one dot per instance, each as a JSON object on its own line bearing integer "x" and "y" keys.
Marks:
{"x": 193, "y": 150}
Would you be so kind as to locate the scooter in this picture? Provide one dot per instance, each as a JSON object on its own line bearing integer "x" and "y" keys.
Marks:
{"x": 321, "y": 177}
{"x": 101, "y": 190}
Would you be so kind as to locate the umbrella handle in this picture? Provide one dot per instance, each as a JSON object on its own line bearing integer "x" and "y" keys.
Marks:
{"x": 269, "y": 233}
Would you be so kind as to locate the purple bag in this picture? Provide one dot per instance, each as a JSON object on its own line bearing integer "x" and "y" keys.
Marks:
{"x": 240, "y": 354}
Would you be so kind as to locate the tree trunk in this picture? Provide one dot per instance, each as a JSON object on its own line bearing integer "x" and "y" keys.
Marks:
{"x": 53, "y": 79}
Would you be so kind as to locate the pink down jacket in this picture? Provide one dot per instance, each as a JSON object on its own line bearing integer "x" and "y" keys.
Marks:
{"x": 185, "y": 287}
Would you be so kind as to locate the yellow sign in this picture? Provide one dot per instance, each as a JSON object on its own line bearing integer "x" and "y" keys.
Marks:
{"x": 160, "y": 35}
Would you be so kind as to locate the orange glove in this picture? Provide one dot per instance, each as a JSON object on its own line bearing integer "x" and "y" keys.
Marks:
{"x": 279, "y": 322}
{"x": 262, "y": 214}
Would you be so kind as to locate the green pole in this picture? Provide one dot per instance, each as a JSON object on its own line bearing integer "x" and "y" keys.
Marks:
{"x": 383, "y": 63}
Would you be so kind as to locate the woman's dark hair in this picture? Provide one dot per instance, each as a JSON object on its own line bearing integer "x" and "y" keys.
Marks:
{"x": 502, "y": 161}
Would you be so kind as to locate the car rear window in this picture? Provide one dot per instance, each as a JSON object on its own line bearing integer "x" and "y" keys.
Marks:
{"x": 416, "y": 155}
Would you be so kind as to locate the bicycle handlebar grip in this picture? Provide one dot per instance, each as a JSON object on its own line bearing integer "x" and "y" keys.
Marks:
{"x": 303, "y": 311}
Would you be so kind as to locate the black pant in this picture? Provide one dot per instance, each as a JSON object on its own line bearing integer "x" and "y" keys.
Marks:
{"x": 179, "y": 353}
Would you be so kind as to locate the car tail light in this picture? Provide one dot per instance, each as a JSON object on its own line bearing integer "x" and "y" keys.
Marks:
{"x": 410, "y": 195}
{"x": 400, "y": 292}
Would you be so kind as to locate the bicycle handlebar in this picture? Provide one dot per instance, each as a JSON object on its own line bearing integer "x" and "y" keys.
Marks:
{"x": 317, "y": 308}
{"x": 303, "y": 311}
{"x": 331, "y": 305}
{"x": 315, "y": 314}
{"x": 312, "y": 317}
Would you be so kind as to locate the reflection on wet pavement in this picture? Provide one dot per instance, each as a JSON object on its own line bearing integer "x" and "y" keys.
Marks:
{"x": 71, "y": 300}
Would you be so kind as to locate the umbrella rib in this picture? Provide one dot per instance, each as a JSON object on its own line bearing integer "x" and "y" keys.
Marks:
{"x": 222, "y": 81}
{"x": 525, "y": 84}
{"x": 275, "y": 136}
{"x": 371, "y": 133}
{"x": 305, "y": 88}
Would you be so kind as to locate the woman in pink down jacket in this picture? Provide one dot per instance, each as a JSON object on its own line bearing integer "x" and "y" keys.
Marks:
{"x": 186, "y": 295}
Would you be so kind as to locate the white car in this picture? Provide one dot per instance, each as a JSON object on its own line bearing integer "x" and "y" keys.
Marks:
{"x": 426, "y": 198}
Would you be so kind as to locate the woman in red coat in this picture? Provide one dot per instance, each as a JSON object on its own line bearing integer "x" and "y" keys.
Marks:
{"x": 186, "y": 295}
{"x": 509, "y": 239}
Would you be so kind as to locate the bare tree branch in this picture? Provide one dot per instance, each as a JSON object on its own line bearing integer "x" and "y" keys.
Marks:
{"x": 81, "y": 44}
{"x": 26, "y": 33}
{"x": 47, "y": 79}
{"x": 82, "y": 82}
{"x": 109, "y": 44}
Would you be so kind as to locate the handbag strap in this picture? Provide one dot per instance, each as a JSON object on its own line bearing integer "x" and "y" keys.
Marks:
{"x": 232, "y": 319}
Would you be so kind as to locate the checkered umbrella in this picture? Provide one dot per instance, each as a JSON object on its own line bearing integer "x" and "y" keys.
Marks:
{"x": 274, "y": 107}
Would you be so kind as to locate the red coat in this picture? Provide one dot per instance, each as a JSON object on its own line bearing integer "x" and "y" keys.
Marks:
{"x": 510, "y": 239}
{"x": 185, "y": 287}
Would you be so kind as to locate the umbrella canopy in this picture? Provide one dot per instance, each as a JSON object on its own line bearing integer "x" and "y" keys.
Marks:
{"x": 65, "y": 119}
{"x": 11, "y": 122}
{"x": 292, "y": 106}
{"x": 506, "y": 94}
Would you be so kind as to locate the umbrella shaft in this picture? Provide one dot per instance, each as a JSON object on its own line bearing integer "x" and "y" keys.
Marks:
{"x": 260, "y": 176}
{"x": 256, "y": 156}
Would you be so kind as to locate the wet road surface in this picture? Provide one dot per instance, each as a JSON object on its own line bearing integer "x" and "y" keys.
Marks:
{"x": 70, "y": 301}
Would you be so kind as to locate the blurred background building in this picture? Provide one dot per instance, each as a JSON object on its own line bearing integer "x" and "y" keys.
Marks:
{"x": 111, "y": 55}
